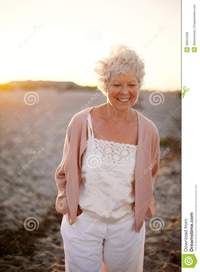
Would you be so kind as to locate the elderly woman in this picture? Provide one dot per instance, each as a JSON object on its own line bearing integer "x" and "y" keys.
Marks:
{"x": 105, "y": 178}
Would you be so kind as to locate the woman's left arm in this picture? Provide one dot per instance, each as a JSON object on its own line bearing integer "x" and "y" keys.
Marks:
{"x": 155, "y": 165}
{"x": 155, "y": 153}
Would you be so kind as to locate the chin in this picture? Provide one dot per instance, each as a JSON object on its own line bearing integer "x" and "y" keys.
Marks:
{"x": 122, "y": 107}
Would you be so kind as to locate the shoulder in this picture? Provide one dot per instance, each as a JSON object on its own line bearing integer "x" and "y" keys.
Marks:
{"x": 79, "y": 117}
{"x": 149, "y": 125}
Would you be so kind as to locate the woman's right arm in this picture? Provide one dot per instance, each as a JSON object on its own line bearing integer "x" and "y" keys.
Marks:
{"x": 60, "y": 179}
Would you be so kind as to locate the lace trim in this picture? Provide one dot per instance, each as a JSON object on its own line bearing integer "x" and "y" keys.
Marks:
{"x": 115, "y": 143}
{"x": 111, "y": 152}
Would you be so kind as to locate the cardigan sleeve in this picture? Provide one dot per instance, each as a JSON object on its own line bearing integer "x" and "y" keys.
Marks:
{"x": 156, "y": 153}
{"x": 154, "y": 168}
{"x": 60, "y": 178}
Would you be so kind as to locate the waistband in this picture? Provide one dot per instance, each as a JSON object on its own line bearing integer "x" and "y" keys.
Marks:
{"x": 111, "y": 220}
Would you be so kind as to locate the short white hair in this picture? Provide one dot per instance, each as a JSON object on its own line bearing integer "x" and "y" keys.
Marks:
{"x": 121, "y": 59}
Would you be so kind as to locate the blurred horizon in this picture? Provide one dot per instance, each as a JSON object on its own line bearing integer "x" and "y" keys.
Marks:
{"x": 64, "y": 85}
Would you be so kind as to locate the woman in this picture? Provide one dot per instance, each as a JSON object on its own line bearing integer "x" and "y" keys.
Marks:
{"x": 105, "y": 178}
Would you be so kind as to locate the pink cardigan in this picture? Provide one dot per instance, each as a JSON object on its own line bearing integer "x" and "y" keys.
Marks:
{"x": 68, "y": 172}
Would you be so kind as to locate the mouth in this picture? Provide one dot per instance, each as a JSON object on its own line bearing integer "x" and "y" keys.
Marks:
{"x": 123, "y": 100}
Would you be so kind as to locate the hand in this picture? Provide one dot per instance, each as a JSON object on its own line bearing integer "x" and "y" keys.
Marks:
{"x": 137, "y": 228}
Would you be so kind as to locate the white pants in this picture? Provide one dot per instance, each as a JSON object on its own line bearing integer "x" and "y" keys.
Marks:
{"x": 93, "y": 245}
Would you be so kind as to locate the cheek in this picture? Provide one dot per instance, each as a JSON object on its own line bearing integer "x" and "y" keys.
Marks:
{"x": 113, "y": 93}
{"x": 135, "y": 93}
{"x": 134, "y": 96}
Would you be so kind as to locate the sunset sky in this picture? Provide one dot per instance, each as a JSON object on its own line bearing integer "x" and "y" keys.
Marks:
{"x": 61, "y": 40}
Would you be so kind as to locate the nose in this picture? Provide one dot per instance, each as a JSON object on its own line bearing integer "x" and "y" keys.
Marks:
{"x": 124, "y": 88}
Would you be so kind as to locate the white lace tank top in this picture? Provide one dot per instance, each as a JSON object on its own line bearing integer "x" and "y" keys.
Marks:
{"x": 107, "y": 175}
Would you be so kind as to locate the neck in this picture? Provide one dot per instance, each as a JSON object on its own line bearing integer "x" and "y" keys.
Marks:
{"x": 113, "y": 114}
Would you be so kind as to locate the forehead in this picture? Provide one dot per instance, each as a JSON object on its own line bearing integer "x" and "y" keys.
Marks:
{"x": 123, "y": 77}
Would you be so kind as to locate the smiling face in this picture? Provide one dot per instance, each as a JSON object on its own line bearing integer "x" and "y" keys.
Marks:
{"x": 123, "y": 91}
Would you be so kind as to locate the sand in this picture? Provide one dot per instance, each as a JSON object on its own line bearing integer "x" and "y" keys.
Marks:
{"x": 31, "y": 142}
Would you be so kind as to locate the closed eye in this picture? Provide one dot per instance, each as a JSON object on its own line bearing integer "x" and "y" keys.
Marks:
{"x": 116, "y": 85}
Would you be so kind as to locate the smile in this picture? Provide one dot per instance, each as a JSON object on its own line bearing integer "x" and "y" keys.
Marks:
{"x": 123, "y": 100}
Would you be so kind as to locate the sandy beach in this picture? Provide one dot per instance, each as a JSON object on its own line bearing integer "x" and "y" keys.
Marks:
{"x": 32, "y": 131}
